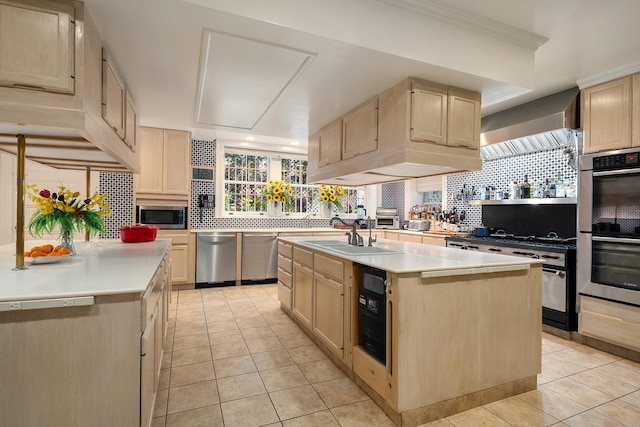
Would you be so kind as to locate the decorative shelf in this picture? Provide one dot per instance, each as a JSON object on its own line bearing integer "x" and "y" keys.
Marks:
{"x": 550, "y": 201}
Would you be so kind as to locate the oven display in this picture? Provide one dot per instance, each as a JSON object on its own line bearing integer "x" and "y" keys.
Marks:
{"x": 616, "y": 161}
{"x": 372, "y": 305}
{"x": 631, "y": 159}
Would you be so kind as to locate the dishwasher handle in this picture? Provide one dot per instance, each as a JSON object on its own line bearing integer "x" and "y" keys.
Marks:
{"x": 274, "y": 235}
{"x": 216, "y": 238}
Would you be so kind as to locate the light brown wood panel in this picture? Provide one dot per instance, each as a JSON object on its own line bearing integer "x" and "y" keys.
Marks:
{"x": 151, "y": 161}
{"x": 330, "y": 267}
{"x": 463, "y": 120}
{"x": 435, "y": 241}
{"x": 179, "y": 264}
{"x": 42, "y": 59}
{"x": 303, "y": 294}
{"x": 635, "y": 118}
{"x": 372, "y": 372}
{"x": 177, "y": 162}
{"x": 303, "y": 256}
{"x": 284, "y": 295}
{"x": 330, "y": 143}
{"x": 413, "y": 238}
{"x": 328, "y": 314}
{"x": 285, "y": 249}
{"x": 428, "y": 114}
{"x": 130, "y": 123}
{"x": 610, "y": 321}
{"x": 606, "y": 112}
{"x": 285, "y": 263}
{"x": 360, "y": 130}
{"x": 148, "y": 377}
{"x": 178, "y": 237}
{"x": 113, "y": 96}
{"x": 284, "y": 278}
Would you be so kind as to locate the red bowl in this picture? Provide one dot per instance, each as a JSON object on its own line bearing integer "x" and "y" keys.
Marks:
{"x": 138, "y": 233}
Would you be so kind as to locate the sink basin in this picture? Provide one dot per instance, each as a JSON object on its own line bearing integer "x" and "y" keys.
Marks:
{"x": 326, "y": 242}
{"x": 362, "y": 250}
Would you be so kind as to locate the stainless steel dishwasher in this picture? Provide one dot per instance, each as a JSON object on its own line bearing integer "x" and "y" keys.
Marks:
{"x": 216, "y": 257}
{"x": 259, "y": 257}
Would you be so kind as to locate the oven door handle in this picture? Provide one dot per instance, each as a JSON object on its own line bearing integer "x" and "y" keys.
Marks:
{"x": 615, "y": 240}
{"x": 618, "y": 172}
{"x": 558, "y": 273}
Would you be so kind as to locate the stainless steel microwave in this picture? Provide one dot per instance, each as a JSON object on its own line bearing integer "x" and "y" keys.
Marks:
{"x": 163, "y": 217}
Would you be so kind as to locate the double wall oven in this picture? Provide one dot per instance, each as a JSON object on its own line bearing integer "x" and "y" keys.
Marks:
{"x": 609, "y": 226}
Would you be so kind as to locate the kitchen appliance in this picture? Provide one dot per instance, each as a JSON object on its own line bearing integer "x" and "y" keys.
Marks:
{"x": 387, "y": 218}
{"x": 163, "y": 217}
{"x": 216, "y": 257}
{"x": 372, "y": 314}
{"x": 481, "y": 231}
{"x": 360, "y": 212}
{"x": 259, "y": 258}
{"x": 419, "y": 225}
{"x": 558, "y": 269}
{"x": 138, "y": 233}
{"x": 608, "y": 222}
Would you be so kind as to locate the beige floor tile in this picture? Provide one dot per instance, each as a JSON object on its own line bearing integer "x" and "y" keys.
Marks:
{"x": 166, "y": 359}
{"x": 192, "y": 396}
{"x": 272, "y": 360}
{"x": 578, "y": 392}
{"x": 163, "y": 381}
{"x": 620, "y": 372}
{"x": 621, "y": 411}
{"x": 210, "y": 416}
{"x": 607, "y": 357}
{"x": 633, "y": 398}
{"x": 160, "y": 405}
{"x": 552, "y": 403}
{"x": 253, "y": 411}
{"x": 475, "y": 417}
{"x": 591, "y": 419}
{"x": 634, "y": 366}
{"x": 240, "y": 386}
{"x": 306, "y": 353}
{"x": 191, "y": 355}
{"x": 260, "y": 345}
{"x": 294, "y": 340}
{"x": 158, "y": 422}
{"x": 561, "y": 364}
{"x": 283, "y": 378}
{"x": 190, "y": 341}
{"x": 559, "y": 340}
{"x": 276, "y": 319}
{"x": 259, "y": 332}
{"x": 438, "y": 423}
{"x": 217, "y": 315}
{"x": 361, "y": 414}
{"x": 222, "y": 351}
{"x": 234, "y": 366}
{"x": 517, "y": 412}
{"x": 603, "y": 383}
{"x": 250, "y": 322}
{"x": 296, "y": 402}
{"x": 317, "y": 419}
{"x": 322, "y": 370}
{"x": 190, "y": 330}
{"x": 225, "y": 337}
{"x": 189, "y": 374}
{"x": 168, "y": 344}
{"x": 340, "y": 392}
{"x": 582, "y": 357}
{"x": 222, "y": 326}
{"x": 286, "y": 329}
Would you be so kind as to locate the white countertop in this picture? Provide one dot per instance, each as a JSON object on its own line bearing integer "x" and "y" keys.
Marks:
{"x": 266, "y": 230}
{"x": 100, "y": 267}
{"x": 415, "y": 257}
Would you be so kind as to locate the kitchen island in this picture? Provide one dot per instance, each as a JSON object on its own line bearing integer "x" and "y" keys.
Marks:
{"x": 82, "y": 339}
{"x": 462, "y": 329}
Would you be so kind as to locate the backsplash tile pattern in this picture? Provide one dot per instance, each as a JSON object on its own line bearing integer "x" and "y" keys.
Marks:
{"x": 203, "y": 153}
{"x": 119, "y": 187}
{"x": 500, "y": 172}
{"x": 393, "y": 197}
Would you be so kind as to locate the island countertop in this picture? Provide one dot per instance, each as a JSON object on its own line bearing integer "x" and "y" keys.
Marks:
{"x": 101, "y": 267}
{"x": 428, "y": 259}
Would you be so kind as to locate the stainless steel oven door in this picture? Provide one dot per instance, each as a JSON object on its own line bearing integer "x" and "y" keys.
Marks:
{"x": 554, "y": 288}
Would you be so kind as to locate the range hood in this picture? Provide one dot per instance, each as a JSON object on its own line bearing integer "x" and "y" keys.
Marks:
{"x": 544, "y": 124}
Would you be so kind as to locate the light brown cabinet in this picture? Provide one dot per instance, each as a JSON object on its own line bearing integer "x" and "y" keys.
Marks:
{"x": 607, "y": 113}
{"x": 43, "y": 59}
{"x": 463, "y": 119}
{"x": 130, "y": 123}
{"x": 113, "y": 96}
{"x": 328, "y": 322}
{"x": 330, "y": 143}
{"x": 285, "y": 278}
{"x": 428, "y": 114}
{"x": 179, "y": 254}
{"x": 610, "y": 321}
{"x": 165, "y": 156}
{"x": 360, "y": 130}
{"x": 302, "y": 306}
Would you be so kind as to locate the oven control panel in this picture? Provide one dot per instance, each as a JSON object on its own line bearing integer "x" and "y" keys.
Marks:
{"x": 616, "y": 161}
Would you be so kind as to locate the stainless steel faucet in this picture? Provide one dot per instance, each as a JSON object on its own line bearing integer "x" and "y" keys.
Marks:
{"x": 371, "y": 239}
{"x": 354, "y": 238}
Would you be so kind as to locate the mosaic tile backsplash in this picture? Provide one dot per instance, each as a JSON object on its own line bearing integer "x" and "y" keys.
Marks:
{"x": 500, "y": 172}
{"x": 119, "y": 187}
{"x": 393, "y": 197}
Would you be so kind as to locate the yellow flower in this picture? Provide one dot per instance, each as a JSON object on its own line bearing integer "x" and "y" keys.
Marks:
{"x": 323, "y": 194}
{"x": 332, "y": 191}
{"x": 269, "y": 197}
{"x": 324, "y": 199}
{"x": 290, "y": 192}
{"x": 276, "y": 198}
{"x": 333, "y": 198}
{"x": 340, "y": 190}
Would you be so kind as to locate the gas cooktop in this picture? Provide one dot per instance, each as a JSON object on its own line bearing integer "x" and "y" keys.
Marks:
{"x": 522, "y": 241}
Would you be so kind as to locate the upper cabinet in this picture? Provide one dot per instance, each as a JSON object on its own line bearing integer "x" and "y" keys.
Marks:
{"x": 113, "y": 98}
{"x": 130, "y": 123}
{"x": 360, "y": 130}
{"x": 413, "y": 129}
{"x": 42, "y": 59}
{"x": 607, "y": 112}
{"x": 165, "y": 158}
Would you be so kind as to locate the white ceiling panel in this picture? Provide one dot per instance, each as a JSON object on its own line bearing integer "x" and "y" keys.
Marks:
{"x": 242, "y": 78}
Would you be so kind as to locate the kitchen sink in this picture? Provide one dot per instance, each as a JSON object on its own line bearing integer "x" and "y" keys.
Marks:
{"x": 326, "y": 242}
{"x": 344, "y": 248}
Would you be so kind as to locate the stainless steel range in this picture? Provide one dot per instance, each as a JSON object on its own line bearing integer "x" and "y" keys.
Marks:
{"x": 559, "y": 269}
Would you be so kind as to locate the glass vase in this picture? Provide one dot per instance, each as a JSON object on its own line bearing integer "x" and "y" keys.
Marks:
{"x": 324, "y": 210}
{"x": 66, "y": 240}
{"x": 274, "y": 209}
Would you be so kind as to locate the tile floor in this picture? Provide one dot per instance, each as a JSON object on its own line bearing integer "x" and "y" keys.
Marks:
{"x": 233, "y": 358}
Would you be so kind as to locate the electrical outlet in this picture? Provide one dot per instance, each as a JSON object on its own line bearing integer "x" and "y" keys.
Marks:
{"x": 15, "y": 306}
{"x": 67, "y": 302}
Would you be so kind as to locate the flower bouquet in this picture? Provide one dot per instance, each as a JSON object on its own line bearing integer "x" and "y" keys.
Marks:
{"x": 66, "y": 210}
{"x": 278, "y": 194}
{"x": 329, "y": 196}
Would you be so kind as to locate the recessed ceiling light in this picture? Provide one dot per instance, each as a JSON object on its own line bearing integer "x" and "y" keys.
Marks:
{"x": 250, "y": 138}
{"x": 294, "y": 143}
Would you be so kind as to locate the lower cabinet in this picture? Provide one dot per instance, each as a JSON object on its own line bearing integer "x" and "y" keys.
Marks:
{"x": 148, "y": 356}
{"x": 179, "y": 255}
{"x": 610, "y": 321}
{"x": 328, "y": 323}
{"x": 303, "y": 294}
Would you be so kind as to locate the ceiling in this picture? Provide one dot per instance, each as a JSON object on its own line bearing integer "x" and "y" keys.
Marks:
{"x": 279, "y": 70}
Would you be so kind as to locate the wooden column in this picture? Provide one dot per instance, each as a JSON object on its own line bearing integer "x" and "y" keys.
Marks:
{"x": 20, "y": 203}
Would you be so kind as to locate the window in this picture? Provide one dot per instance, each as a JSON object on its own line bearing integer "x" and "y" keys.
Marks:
{"x": 246, "y": 173}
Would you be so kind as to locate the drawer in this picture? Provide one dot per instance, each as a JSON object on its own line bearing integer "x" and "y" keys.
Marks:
{"x": 610, "y": 329}
{"x": 303, "y": 256}
{"x": 285, "y": 249}
{"x": 284, "y": 264}
{"x": 177, "y": 237}
{"x": 284, "y": 277}
{"x": 151, "y": 296}
{"x": 330, "y": 267}
{"x": 284, "y": 295}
